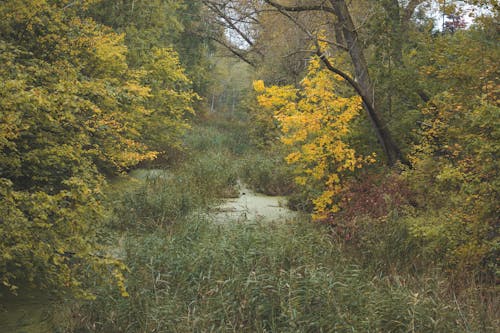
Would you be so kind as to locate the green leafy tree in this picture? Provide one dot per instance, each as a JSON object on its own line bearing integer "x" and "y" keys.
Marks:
{"x": 169, "y": 100}
{"x": 157, "y": 24}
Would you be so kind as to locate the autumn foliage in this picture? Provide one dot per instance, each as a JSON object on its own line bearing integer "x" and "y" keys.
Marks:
{"x": 315, "y": 123}
{"x": 72, "y": 110}
{"x": 447, "y": 195}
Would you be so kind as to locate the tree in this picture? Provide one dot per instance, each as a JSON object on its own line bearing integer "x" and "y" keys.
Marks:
{"x": 456, "y": 157}
{"x": 342, "y": 27}
{"x": 72, "y": 111}
{"x": 169, "y": 100}
{"x": 362, "y": 84}
{"x": 315, "y": 121}
{"x": 231, "y": 27}
{"x": 160, "y": 24}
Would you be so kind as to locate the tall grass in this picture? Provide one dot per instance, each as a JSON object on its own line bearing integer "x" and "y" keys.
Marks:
{"x": 206, "y": 173}
{"x": 261, "y": 278}
{"x": 264, "y": 172}
{"x": 187, "y": 274}
{"x": 219, "y": 134}
{"x": 159, "y": 201}
{"x": 267, "y": 173}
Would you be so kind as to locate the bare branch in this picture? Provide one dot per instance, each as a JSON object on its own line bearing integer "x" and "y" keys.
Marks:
{"x": 344, "y": 75}
{"x": 231, "y": 49}
{"x": 219, "y": 11}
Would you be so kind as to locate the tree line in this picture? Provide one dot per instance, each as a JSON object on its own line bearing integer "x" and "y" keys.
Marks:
{"x": 428, "y": 84}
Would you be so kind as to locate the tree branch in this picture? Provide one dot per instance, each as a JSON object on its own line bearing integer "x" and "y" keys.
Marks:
{"x": 229, "y": 21}
{"x": 238, "y": 54}
{"x": 346, "y": 77}
{"x": 304, "y": 8}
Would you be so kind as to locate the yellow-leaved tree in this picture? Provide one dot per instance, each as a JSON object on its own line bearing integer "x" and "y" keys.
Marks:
{"x": 454, "y": 171}
{"x": 315, "y": 123}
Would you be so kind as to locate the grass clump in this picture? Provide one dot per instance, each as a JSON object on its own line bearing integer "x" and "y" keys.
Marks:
{"x": 206, "y": 173}
{"x": 267, "y": 173}
{"x": 162, "y": 198}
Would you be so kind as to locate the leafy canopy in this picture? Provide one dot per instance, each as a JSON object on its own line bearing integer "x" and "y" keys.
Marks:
{"x": 72, "y": 111}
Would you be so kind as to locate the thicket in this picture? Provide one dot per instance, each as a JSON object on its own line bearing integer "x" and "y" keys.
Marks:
{"x": 188, "y": 274}
{"x": 263, "y": 169}
{"x": 445, "y": 195}
{"x": 72, "y": 111}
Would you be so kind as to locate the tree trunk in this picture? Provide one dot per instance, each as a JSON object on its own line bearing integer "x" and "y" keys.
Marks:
{"x": 363, "y": 79}
{"x": 397, "y": 31}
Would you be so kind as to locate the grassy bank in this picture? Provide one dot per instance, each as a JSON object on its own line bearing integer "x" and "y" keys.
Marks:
{"x": 260, "y": 278}
{"x": 187, "y": 274}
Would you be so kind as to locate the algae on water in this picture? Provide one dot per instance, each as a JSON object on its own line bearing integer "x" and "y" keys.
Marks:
{"x": 251, "y": 206}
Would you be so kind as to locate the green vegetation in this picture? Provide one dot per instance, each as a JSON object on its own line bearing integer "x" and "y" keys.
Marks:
{"x": 432, "y": 102}
{"x": 134, "y": 133}
{"x": 257, "y": 278}
{"x": 188, "y": 274}
{"x": 159, "y": 201}
{"x": 72, "y": 112}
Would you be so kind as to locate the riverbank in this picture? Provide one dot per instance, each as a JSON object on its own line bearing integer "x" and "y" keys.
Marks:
{"x": 206, "y": 254}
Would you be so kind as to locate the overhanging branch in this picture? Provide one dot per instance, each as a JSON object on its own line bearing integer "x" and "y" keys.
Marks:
{"x": 304, "y": 8}
{"x": 231, "y": 49}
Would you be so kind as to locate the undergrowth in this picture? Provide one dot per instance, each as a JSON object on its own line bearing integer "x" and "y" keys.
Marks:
{"x": 291, "y": 277}
{"x": 187, "y": 274}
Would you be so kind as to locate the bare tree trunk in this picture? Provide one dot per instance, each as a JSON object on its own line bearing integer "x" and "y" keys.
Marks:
{"x": 363, "y": 79}
{"x": 212, "y": 105}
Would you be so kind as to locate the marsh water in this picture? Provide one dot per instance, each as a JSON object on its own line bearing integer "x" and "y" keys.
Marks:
{"x": 249, "y": 206}
{"x": 252, "y": 207}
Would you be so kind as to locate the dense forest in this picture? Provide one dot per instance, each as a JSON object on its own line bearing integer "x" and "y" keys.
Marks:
{"x": 127, "y": 128}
